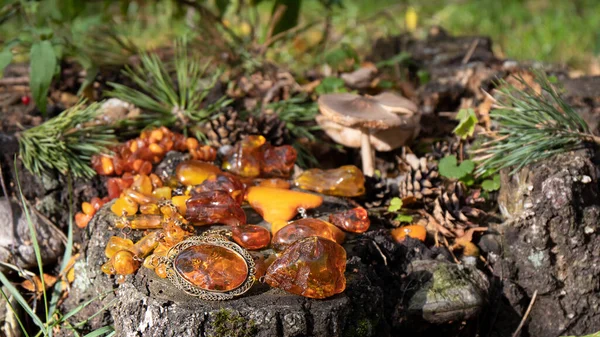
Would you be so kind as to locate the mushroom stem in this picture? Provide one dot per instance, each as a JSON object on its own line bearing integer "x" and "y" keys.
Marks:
{"x": 366, "y": 152}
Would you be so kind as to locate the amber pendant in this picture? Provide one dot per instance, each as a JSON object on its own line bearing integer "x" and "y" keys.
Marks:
{"x": 210, "y": 267}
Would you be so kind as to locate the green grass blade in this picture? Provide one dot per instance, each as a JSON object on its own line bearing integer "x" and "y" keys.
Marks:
{"x": 14, "y": 312}
{"x": 108, "y": 330}
{"x": 17, "y": 295}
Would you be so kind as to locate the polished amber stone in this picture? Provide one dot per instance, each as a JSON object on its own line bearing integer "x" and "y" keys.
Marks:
{"x": 140, "y": 221}
{"x": 278, "y": 161}
{"x": 124, "y": 263}
{"x": 413, "y": 231}
{"x": 124, "y": 206}
{"x": 354, "y": 220}
{"x": 207, "y": 208}
{"x": 312, "y": 267}
{"x": 194, "y": 172}
{"x": 116, "y": 244}
{"x": 304, "y": 228}
{"x": 146, "y": 244}
{"x": 344, "y": 181}
{"x": 222, "y": 182}
{"x": 211, "y": 267}
{"x": 180, "y": 202}
{"x": 277, "y": 205}
{"x": 245, "y": 157}
{"x": 174, "y": 234}
{"x": 275, "y": 183}
{"x": 163, "y": 192}
{"x": 251, "y": 237}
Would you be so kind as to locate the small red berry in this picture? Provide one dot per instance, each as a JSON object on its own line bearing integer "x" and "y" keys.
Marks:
{"x": 25, "y": 100}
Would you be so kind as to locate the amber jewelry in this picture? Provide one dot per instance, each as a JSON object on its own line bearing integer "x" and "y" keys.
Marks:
{"x": 210, "y": 266}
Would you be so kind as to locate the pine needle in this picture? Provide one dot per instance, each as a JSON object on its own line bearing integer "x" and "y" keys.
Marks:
{"x": 66, "y": 142}
{"x": 531, "y": 126}
{"x": 177, "y": 100}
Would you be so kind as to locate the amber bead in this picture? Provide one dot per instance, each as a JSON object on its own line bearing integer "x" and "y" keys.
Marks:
{"x": 312, "y": 267}
{"x": 354, "y": 220}
{"x": 275, "y": 183}
{"x": 345, "y": 181}
{"x": 211, "y": 267}
{"x": 146, "y": 244}
{"x": 161, "y": 271}
{"x": 173, "y": 234}
{"x": 278, "y": 161}
{"x": 107, "y": 268}
{"x": 414, "y": 231}
{"x": 251, "y": 237}
{"x": 162, "y": 192}
{"x": 140, "y": 221}
{"x": 125, "y": 263}
{"x": 142, "y": 184}
{"x": 222, "y": 182}
{"x": 124, "y": 206}
{"x": 245, "y": 158}
{"x": 304, "y": 228}
{"x": 82, "y": 219}
{"x": 180, "y": 202}
{"x": 194, "y": 172}
{"x": 116, "y": 244}
{"x": 139, "y": 198}
{"x": 277, "y": 205}
{"x": 149, "y": 209}
{"x": 207, "y": 208}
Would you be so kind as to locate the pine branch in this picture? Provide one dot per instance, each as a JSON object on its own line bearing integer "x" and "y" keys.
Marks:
{"x": 531, "y": 126}
{"x": 169, "y": 101}
{"x": 66, "y": 142}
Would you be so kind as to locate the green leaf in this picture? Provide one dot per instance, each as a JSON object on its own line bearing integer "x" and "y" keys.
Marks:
{"x": 330, "y": 84}
{"x": 395, "y": 205}
{"x": 289, "y": 19}
{"x": 404, "y": 218}
{"x": 42, "y": 65}
{"x": 491, "y": 184}
{"x": 449, "y": 168}
{"x": 5, "y": 58}
{"x": 468, "y": 179}
{"x": 222, "y": 6}
{"x": 467, "y": 122}
{"x": 103, "y": 331}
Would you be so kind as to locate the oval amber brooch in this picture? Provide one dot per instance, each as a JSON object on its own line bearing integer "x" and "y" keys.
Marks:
{"x": 210, "y": 267}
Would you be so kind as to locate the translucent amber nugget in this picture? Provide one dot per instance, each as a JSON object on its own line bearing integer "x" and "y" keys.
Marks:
{"x": 124, "y": 206}
{"x": 194, "y": 172}
{"x": 277, "y": 205}
{"x": 140, "y": 221}
{"x": 180, "y": 202}
{"x": 304, "y": 228}
{"x": 222, "y": 182}
{"x": 276, "y": 183}
{"x": 313, "y": 267}
{"x": 146, "y": 244}
{"x": 414, "y": 231}
{"x": 116, "y": 244}
{"x": 245, "y": 157}
{"x": 207, "y": 208}
{"x": 354, "y": 220}
{"x": 278, "y": 161}
{"x": 251, "y": 237}
{"x": 211, "y": 267}
{"x": 345, "y": 181}
{"x": 124, "y": 263}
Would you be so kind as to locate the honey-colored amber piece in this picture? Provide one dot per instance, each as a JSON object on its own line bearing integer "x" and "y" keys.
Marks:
{"x": 275, "y": 183}
{"x": 161, "y": 271}
{"x": 354, "y": 220}
{"x": 142, "y": 184}
{"x": 163, "y": 192}
{"x": 207, "y": 208}
{"x": 344, "y": 181}
{"x": 211, "y": 267}
{"x": 222, "y": 182}
{"x": 304, "y": 228}
{"x": 140, "y": 221}
{"x": 277, "y": 205}
{"x": 180, "y": 202}
{"x": 312, "y": 267}
{"x": 194, "y": 172}
{"x": 124, "y": 206}
{"x": 278, "y": 161}
{"x": 149, "y": 209}
{"x": 146, "y": 244}
{"x": 82, "y": 219}
{"x": 173, "y": 234}
{"x": 245, "y": 158}
{"x": 414, "y": 231}
{"x": 251, "y": 237}
{"x": 125, "y": 263}
{"x": 116, "y": 244}
{"x": 139, "y": 198}
{"x": 107, "y": 268}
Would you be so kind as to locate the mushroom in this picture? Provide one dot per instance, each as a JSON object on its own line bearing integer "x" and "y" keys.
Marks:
{"x": 383, "y": 122}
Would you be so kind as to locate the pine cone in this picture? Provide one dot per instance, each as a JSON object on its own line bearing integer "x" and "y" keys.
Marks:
{"x": 377, "y": 192}
{"x": 421, "y": 180}
{"x": 456, "y": 209}
{"x": 444, "y": 148}
{"x": 226, "y": 128}
{"x": 271, "y": 127}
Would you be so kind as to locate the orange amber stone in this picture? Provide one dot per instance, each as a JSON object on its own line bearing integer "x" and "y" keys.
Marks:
{"x": 245, "y": 157}
{"x": 354, "y": 220}
{"x": 124, "y": 206}
{"x": 414, "y": 231}
{"x": 142, "y": 184}
{"x": 275, "y": 183}
{"x": 124, "y": 263}
{"x": 149, "y": 209}
{"x": 207, "y": 208}
{"x": 278, "y": 161}
{"x": 116, "y": 244}
{"x": 161, "y": 271}
{"x": 277, "y": 205}
{"x": 211, "y": 267}
{"x": 304, "y": 228}
{"x": 180, "y": 202}
{"x": 82, "y": 219}
{"x": 140, "y": 221}
{"x": 344, "y": 181}
{"x": 174, "y": 234}
{"x": 139, "y": 198}
{"x": 222, "y": 182}
{"x": 194, "y": 172}
{"x": 312, "y": 267}
{"x": 162, "y": 193}
{"x": 251, "y": 237}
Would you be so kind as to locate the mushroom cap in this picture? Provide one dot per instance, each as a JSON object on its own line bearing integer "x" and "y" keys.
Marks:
{"x": 396, "y": 103}
{"x": 357, "y": 111}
